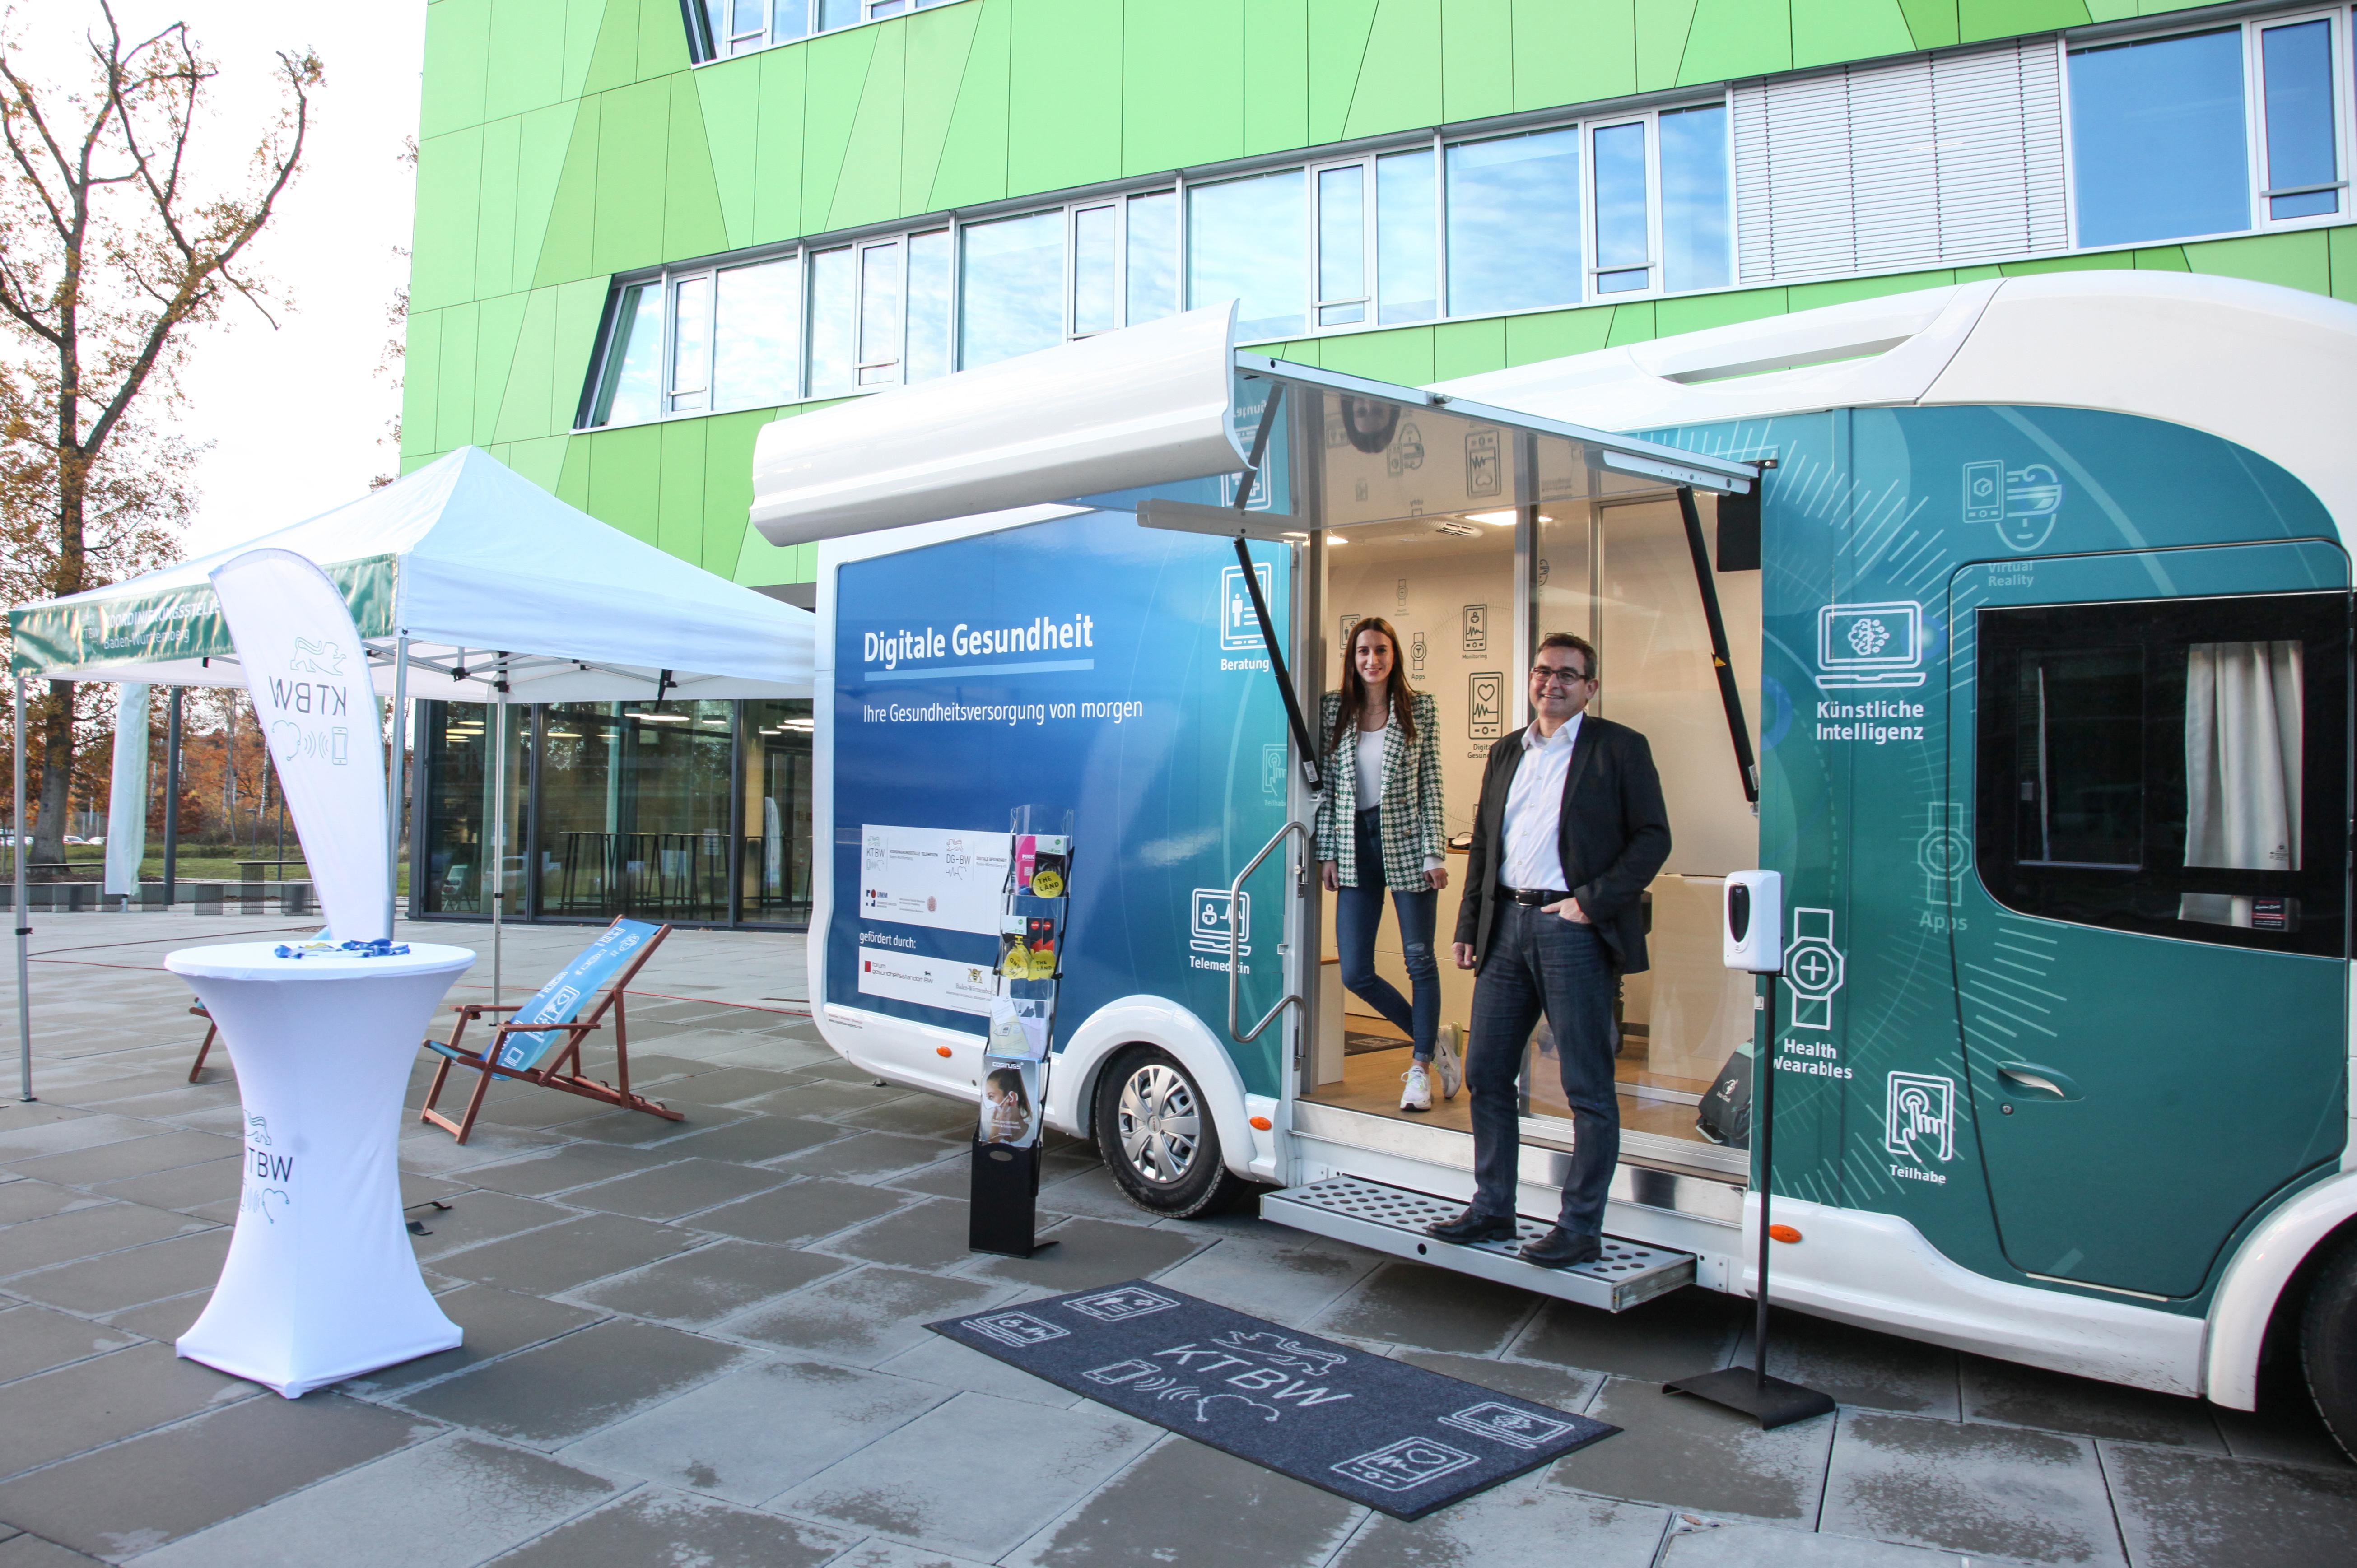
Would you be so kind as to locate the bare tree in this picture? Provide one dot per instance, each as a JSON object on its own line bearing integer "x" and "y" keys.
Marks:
{"x": 110, "y": 253}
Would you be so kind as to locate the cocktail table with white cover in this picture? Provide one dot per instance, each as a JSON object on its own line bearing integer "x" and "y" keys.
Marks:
{"x": 320, "y": 1283}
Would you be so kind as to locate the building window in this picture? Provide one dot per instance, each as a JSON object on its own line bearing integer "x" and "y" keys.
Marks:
{"x": 1096, "y": 269}
{"x": 456, "y": 790}
{"x": 757, "y": 337}
{"x": 1011, "y": 294}
{"x": 928, "y": 353}
{"x": 1624, "y": 207}
{"x": 1697, "y": 183}
{"x": 2156, "y": 142}
{"x": 2303, "y": 163}
{"x": 1150, "y": 256}
{"x": 1513, "y": 224}
{"x": 676, "y": 810}
{"x": 626, "y": 393}
{"x": 834, "y": 317}
{"x": 691, "y": 342}
{"x": 1394, "y": 236}
{"x": 1244, "y": 243}
{"x": 719, "y": 29}
{"x": 775, "y": 873}
{"x": 2211, "y": 133}
{"x": 1343, "y": 296}
{"x": 1407, "y": 238}
{"x": 879, "y": 314}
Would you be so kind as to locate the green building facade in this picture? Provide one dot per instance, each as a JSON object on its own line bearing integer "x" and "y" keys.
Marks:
{"x": 645, "y": 227}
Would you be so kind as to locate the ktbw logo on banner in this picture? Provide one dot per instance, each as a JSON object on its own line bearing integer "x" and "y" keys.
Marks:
{"x": 308, "y": 677}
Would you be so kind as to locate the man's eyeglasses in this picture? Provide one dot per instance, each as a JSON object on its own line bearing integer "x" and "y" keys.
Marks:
{"x": 1545, "y": 675}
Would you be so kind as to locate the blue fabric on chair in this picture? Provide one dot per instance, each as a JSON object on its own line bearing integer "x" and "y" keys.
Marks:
{"x": 541, "y": 1042}
{"x": 561, "y": 1000}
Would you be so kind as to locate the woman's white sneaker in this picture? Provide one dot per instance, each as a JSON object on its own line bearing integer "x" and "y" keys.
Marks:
{"x": 1444, "y": 1058}
{"x": 1417, "y": 1096}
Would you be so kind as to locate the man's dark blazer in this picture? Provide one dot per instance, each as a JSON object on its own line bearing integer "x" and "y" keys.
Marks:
{"x": 1614, "y": 835}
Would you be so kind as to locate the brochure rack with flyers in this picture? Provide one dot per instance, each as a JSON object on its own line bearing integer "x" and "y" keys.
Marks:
{"x": 1022, "y": 1027}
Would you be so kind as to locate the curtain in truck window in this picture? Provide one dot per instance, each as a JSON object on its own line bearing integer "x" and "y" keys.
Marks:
{"x": 2173, "y": 766}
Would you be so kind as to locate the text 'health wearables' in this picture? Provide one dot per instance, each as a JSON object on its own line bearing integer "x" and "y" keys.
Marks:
{"x": 1041, "y": 634}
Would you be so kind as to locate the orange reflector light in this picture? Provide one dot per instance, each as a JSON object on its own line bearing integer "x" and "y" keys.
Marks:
{"x": 944, "y": 1051}
{"x": 1784, "y": 1233}
{"x": 1261, "y": 1123}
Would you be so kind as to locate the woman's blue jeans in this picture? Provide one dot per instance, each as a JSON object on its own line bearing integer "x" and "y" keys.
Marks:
{"x": 1359, "y": 913}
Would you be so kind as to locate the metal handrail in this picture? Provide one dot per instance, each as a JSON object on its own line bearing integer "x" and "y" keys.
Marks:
{"x": 1235, "y": 942}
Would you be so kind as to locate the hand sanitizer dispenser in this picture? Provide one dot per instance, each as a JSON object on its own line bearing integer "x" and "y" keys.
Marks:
{"x": 1753, "y": 936}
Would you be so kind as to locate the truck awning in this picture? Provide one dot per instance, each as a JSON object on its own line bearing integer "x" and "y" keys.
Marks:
{"x": 1156, "y": 404}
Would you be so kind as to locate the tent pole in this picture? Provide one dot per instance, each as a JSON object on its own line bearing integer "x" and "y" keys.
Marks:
{"x": 393, "y": 789}
{"x": 24, "y": 916}
{"x": 498, "y": 820}
{"x": 172, "y": 795}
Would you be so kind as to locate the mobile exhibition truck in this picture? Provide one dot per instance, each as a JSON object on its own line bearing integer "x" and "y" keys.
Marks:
{"x": 2030, "y": 599}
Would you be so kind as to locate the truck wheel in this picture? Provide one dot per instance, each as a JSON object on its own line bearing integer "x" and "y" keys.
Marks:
{"x": 2328, "y": 1342}
{"x": 1158, "y": 1139}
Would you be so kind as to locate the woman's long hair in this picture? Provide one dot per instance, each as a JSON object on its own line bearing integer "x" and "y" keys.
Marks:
{"x": 1008, "y": 1081}
{"x": 1354, "y": 686}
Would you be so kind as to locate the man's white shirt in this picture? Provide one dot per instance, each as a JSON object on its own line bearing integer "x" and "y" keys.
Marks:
{"x": 1534, "y": 809}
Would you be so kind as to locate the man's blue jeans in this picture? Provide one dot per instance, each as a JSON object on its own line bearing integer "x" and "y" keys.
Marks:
{"x": 1359, "y": 914}
{"x": 1542, "y": 962}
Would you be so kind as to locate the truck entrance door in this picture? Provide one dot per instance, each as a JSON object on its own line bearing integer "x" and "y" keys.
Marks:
{"x": 2149, "y": 763}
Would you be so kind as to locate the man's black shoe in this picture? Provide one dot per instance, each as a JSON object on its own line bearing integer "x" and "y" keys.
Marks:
{"x": 1473, "y": 1225}
{"x": 1559, "y": 1249}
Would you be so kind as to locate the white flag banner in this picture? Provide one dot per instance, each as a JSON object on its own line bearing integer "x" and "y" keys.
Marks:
{"x": 126, "y": 795}
{"x": 308, "y": 677}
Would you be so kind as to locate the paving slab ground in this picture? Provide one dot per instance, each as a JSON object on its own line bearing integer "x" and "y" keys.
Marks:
{"x": 704, "y": 1342}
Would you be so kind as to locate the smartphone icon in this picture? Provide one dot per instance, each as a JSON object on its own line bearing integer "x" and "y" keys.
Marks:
{"x": 1985, "y": 492}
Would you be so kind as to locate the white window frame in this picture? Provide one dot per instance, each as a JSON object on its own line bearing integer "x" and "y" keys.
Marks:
{"x": 899, "y": 363}
{"x": 2254, "y": 127}
{"x": 802, "y": 312}
{"x": 1592, "y": 212}
{"x": 2264, "y": 220}
{"x": 1117, "y": 200}
{"x": 1118, "y": 205}
{"x": 670, "y": 391}
{"x": 1315, "y": 248}
{"x": 728, "y": 46}
{"x": 950, "y": 323}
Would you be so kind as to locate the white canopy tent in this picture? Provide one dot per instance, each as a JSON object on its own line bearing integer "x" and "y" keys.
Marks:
{"x": 460, "y": 560}
{"x": 466, "y": 576}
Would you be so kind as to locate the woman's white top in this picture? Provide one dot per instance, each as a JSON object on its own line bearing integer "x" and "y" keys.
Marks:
{"x": 1369, "y": 746}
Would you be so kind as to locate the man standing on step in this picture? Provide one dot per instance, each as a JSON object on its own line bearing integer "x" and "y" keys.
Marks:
{"x": 1570, "y": 830}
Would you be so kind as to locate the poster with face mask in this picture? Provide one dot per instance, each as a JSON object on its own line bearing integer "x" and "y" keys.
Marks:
{"x": 1010, "y": 1101}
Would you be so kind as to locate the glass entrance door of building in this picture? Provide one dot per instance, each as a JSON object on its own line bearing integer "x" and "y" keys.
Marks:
{"x": 692, "y": 812}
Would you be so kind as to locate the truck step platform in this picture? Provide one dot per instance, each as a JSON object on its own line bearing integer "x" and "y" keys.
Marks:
{"x": 1392, "y": 1220}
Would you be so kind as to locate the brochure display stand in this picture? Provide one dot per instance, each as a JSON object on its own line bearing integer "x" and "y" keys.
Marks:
{"x": 320, "y": 1283}
{"x": 1022, "y": 1025}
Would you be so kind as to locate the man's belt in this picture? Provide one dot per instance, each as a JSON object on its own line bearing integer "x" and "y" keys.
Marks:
{"x": 1534, "y": 897}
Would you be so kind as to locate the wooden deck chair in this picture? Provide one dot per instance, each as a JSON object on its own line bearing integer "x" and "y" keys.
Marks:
{"x": 212, "y": 1032}
{"x": 542, "y": 1044}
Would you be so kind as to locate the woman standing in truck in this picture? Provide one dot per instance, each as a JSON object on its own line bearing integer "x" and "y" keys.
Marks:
{"x": 1378, "y": 829}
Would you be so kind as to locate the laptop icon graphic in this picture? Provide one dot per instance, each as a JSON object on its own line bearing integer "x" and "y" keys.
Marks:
{"x": 1869, "y": 646}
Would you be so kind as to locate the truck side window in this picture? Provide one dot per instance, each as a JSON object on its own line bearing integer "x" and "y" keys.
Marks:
{"x": 2173, "y": 766}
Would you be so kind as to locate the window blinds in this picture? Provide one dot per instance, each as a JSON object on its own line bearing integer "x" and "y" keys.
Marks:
{"x": 1929, "y": 161}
